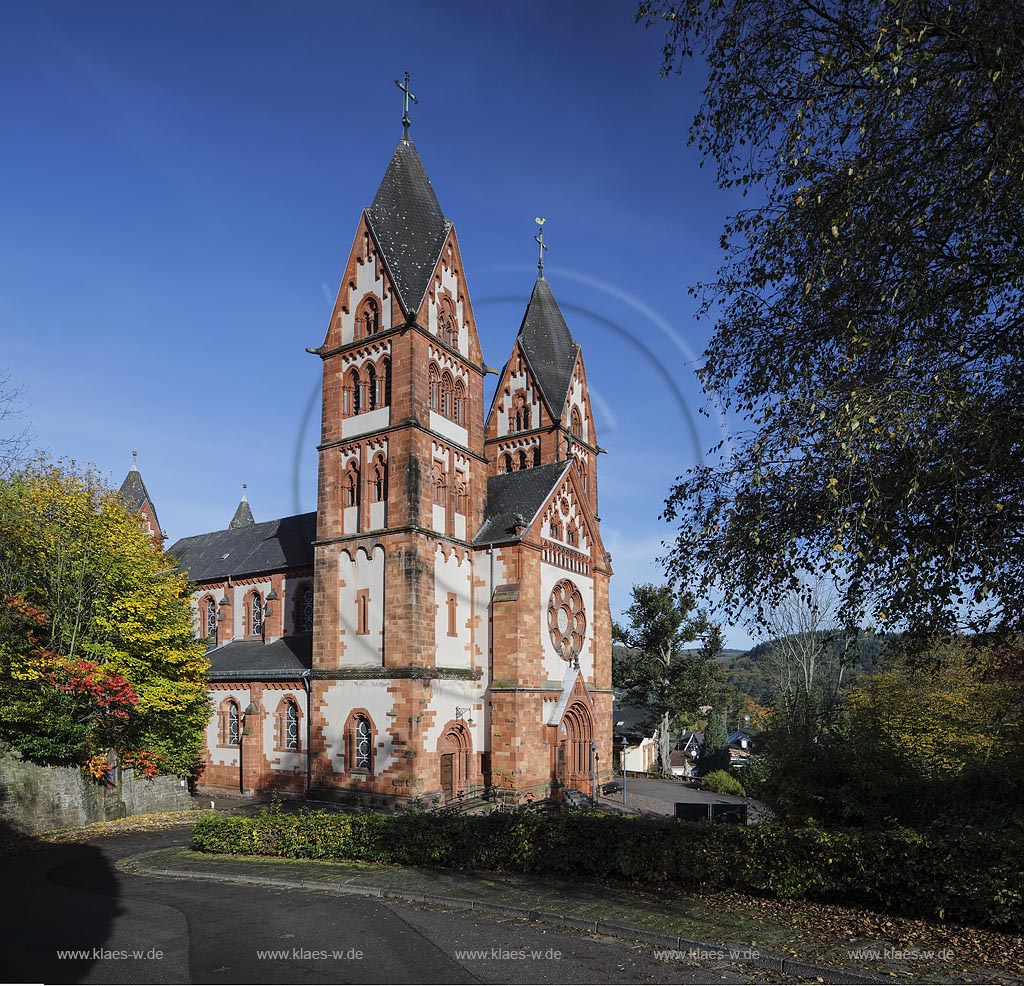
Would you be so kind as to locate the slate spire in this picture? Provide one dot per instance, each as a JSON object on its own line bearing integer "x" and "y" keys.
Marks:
{"x": 408, "y": 225}
{"x": 548, "y": 345}
{"x": 243, "y": 515}
{"x": 134, "y": 494}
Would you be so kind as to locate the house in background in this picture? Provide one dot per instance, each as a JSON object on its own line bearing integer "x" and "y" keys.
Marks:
{"x": 635, "y": 739}
{"x": 740, "y": 748}
{"x": 684, "y": 756}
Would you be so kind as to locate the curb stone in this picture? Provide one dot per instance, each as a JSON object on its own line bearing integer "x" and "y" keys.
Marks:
{"x": 764, "y": 960}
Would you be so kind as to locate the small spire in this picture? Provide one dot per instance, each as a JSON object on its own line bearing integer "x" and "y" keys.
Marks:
{"x": 539, "y": 238}
{"x": 405, "y": 107}
{"x": 243, "y": 514}
{"x": 135, "y": 461}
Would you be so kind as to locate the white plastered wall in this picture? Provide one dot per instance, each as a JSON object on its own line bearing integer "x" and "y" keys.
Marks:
{"x": 453, "y": 576}
{"x": 361, "y": 571}
{"x": 554, "y": 666}
{"x": 224, "y": 755}
{"x": 287, "y": 760}
{"x": 340, "y": 700}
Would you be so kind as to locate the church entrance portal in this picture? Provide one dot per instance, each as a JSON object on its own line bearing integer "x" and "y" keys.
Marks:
{"x": 455, "y": 750}
{"x": 575, "y": 748}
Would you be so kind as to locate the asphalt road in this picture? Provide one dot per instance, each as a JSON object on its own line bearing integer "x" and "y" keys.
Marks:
{"x": 137, "y": 929}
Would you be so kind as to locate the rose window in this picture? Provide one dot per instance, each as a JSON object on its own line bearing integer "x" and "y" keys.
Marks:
{"x": 567, "y": 620}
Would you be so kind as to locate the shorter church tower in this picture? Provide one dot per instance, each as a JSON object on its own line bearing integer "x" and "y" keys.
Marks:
{"x": 136, "y": 498}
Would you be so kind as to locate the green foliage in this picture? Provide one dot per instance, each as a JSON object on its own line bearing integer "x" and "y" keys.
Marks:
{"x": 656, "y": 667}
{"x": 869, "y": 306}
{"x": 96, "y": 645}
{"x": 714, "y": 753}
{"x": 722, "y": 782}
{"x": 963, "y": 875}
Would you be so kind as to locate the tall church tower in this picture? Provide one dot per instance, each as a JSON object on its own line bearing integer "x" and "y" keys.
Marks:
{"x": 397, "y": 647}
{"x": 461, "y": 630}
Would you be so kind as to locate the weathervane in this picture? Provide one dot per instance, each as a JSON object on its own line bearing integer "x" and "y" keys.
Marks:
{"x": 405, "y": 112}
{"x": 539, "y": 238}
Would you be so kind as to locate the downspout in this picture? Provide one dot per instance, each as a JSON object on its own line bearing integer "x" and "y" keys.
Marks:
{"x": 309, "y": 729}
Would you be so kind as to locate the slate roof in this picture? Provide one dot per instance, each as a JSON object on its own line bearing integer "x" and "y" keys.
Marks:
{"x": 636, "y": 721}
{"x": 511, "y": 493}
{"x": 408, "y": 225}
{"x": 267, "y": 547}
{"x": 134, "y": 494}
{"x": 549, "y": 347}
{"x": 243, "y": 515}
{"x": 240, "y": 660}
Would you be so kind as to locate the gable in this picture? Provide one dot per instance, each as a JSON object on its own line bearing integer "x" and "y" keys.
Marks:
{"x": 517, "y": 396}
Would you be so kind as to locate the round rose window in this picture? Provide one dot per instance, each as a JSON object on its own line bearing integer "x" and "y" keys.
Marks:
{"x": 567, "y": 619}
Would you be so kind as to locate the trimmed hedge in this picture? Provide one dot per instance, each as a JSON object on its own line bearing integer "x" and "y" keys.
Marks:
{"x": 968, "y": 876}
{"x": 721, "y": 782}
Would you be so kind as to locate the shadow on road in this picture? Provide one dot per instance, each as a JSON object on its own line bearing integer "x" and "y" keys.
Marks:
{"x": 58, "y": 904}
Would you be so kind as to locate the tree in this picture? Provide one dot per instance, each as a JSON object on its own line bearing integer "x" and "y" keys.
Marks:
{"x": 714, "y": 752}
{"x": 96, "y": 645}
{"x": 12, "y": 441}
{"x": 808, "y": 662}
{"x": 869, "y": 308}
{"x": 659, "y": 671}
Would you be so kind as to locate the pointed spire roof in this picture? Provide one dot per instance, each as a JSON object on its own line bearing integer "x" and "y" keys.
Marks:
{"x": 408, "y": 225}
{"x": 243, "y": 515}
{"x": 549, "y": 347}
{"x": 134, "y": 494}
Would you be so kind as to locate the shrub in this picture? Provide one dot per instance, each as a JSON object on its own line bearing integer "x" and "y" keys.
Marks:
{"x": 719, "y": 782}
{"x": 962, "y": 874}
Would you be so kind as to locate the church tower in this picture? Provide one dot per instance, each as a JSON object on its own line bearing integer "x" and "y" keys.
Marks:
{"x": 397, "y": 645}
{"x": 136, "y": 498}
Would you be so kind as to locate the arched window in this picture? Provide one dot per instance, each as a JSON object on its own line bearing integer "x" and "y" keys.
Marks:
{"x": 461, "y": 493}
{"x": 447, "y": 393}
{"x": 233, "y": 731}
{"x": 211, "y": 618}
{"x": 371, "y": 387}
{"x": 435, "y": 388}
{"x": 519, "y": 416}
{"x": 440, "y": 483}
{"x": 359, "y": 743}
{"x": 378, "y": 481}
{"x": 555, "y": 529}
{"x": 291, "y": 725}
{"x": 352, "y": 486}
{"x": 256, "y": 614}
{"x": 522, "y": 459}
{"x": 570, "y": 534}
{"x": 384, "y": 378}
{"x": 536, "y": 455}
{"x": 506, "y": 462}
{"x": 305, "y": 610}
{"x": 460, "y": 403}
{"x": 354, "y": 392}
{"x": 576, "y": 423}
{"x": 447, "y": 323}
{"x": 371, "y": 317}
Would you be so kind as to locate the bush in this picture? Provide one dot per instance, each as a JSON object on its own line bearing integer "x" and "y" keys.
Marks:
{"x": 961, "y": 874}
{"x": 719, "y": 782}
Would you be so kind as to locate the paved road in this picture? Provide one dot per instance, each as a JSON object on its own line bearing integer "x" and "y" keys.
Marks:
{"x": 137, "y": 929}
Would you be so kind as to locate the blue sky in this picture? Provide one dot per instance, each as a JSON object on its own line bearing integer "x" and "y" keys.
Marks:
{"x": 181, "y": 184}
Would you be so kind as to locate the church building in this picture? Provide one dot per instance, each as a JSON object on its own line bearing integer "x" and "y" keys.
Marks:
{"x": 440, "y": 626}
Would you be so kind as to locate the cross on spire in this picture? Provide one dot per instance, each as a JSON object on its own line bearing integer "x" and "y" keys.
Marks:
{"x": 405, "y": 110}
{"x": 539, "y": 238}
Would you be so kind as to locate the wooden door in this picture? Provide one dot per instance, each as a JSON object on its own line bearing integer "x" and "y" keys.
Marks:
{"x": 447, "y": 781}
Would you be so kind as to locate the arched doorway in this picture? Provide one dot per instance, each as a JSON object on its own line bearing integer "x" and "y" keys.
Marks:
{"x": 455, "y": 750}
{"x": 575, "y": 752}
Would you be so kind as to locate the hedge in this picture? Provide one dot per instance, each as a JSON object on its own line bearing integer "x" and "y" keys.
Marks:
{"x": 969, "y": 876}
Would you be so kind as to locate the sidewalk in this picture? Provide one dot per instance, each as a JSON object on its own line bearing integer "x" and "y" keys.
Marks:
{"x": 743, "y": 929}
